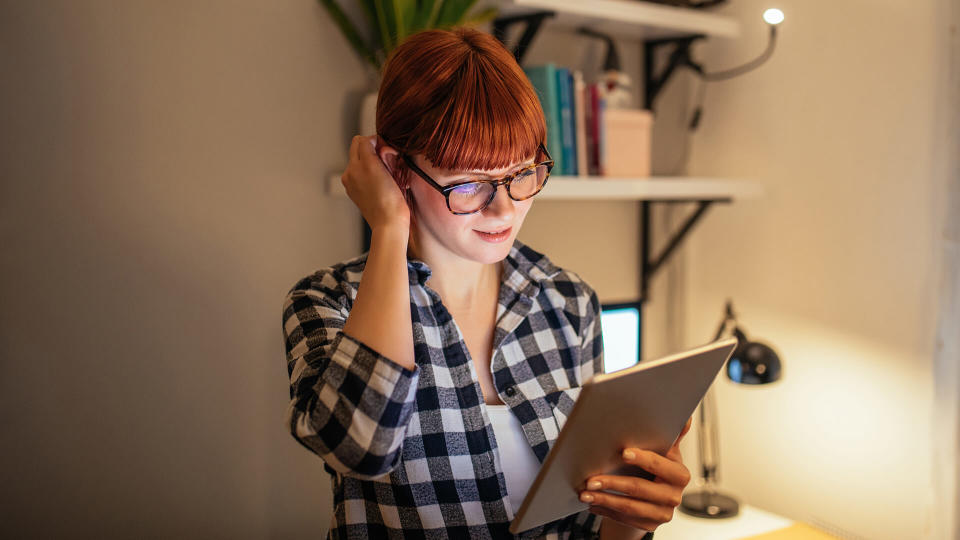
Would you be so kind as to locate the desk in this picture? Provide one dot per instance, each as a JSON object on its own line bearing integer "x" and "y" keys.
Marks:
{"x": 748, "y": 523}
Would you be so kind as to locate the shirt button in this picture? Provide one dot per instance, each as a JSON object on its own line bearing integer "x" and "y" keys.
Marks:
{"x": 510, "y": 391}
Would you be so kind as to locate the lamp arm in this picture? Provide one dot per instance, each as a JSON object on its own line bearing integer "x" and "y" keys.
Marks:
{"x": 749, "y": 66}
{"x": 723, "y": 326}
{"x": 707, "y": 439}
{"x": 709, "y": 451}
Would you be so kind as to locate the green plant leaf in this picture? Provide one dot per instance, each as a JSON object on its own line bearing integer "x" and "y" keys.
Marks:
{"x": 422, "y": 12}
{"x": 399, "y": 27}
{"x": 452, "y": 12}
{"x": 412, "y": 15}
{"x": 383, "y": 23}
{"x": 483, "y": 16}
{"x": 434, "y": 13}
{"x": 349, "y": 31}
{"x": 370, "y": 13}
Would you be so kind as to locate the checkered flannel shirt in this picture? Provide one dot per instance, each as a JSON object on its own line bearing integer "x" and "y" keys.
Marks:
{"x": 412, "y": 453}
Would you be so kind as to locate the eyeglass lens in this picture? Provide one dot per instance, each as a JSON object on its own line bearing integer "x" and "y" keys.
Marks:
{"x": 474, "y": 196}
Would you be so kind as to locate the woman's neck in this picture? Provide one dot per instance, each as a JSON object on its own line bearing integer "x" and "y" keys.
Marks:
{"x": 461, "y": 283}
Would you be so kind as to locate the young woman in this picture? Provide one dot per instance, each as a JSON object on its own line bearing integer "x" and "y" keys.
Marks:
{"x": 433, "y": 373}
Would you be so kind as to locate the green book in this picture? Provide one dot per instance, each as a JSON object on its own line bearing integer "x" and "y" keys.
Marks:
{"x": 544, "y": 81}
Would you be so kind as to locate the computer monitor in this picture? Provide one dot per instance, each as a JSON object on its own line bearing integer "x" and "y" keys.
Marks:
{"x": 621, "y": 335}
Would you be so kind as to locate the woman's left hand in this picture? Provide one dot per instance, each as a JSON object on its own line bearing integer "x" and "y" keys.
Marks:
{"x": 641, "y": 504}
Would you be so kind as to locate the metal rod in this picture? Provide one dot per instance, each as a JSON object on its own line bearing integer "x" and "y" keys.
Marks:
{"x": 675, "y": 241}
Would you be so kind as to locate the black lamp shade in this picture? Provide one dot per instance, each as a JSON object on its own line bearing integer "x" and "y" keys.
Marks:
{"x": 752, "y": 362}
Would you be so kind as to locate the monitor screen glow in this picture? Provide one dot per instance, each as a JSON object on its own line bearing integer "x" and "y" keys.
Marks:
{"x": 621, "y": 337}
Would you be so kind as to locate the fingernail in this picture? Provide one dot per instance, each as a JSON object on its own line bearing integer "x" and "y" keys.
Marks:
{"x": 594, "y": 485}
{"x": 586, "y": 497}
{"x": 629, "y": 455}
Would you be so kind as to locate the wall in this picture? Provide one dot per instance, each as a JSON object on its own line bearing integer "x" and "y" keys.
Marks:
{"x": 838, "y": 266}
{"x": 163, "y": 175}
{"x": 162, "y": 169}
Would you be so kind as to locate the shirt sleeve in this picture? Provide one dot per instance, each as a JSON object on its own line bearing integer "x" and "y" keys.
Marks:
{"x": 591, "y": 348}
{"x": 591, "y": 357}
{"x": 348, "y": 404}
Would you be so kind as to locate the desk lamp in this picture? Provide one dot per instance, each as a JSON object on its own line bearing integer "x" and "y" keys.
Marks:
{"x": 751, "y": 363}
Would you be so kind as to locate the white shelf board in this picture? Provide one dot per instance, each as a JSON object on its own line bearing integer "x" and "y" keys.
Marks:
{"x": 633, "y": 19}
{"x": 661, "y": 188}
{"x": 567, "y": 188}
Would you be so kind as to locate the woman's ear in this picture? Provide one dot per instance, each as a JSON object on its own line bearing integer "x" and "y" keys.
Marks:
{"x": 389, "y": 155}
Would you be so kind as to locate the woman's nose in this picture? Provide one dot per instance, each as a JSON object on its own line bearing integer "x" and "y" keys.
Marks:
{"x": 501, "y": 206}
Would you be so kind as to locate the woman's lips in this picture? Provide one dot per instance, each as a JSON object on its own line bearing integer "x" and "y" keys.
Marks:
{"x": 494, "y": 237}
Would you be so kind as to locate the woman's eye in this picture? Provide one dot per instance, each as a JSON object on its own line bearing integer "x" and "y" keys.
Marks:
{"x": 467, "y": 189}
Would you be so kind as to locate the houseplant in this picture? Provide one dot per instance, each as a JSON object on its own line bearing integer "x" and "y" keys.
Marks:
{"x": 387, "y": 23}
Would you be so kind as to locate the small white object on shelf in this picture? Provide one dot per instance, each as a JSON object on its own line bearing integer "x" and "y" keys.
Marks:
{"x": 628, "y": 18}
{"x": 658, "y": 188}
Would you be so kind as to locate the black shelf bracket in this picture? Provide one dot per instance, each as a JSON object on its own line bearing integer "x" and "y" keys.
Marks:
{"x": 533, "y": 22}
{"x": 653, "y": 83}
{"x": 649, "y": 265}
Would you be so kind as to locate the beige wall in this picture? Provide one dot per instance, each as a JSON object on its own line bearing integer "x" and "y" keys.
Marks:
{"x": 162, "y": 187}
{"x": 161, "y": 192}
{"x": 838, "y": 266}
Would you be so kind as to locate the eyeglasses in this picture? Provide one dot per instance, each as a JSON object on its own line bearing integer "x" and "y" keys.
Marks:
{"x": 473, "y": 195}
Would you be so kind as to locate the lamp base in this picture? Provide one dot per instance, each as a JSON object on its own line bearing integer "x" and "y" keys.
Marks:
{"x": 709, "y": 505}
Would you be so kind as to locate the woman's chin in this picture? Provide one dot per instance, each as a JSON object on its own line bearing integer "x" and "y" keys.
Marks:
{"x": 489, "y": 253}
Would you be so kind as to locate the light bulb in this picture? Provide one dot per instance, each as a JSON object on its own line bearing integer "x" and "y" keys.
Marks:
{"x": 773, "y": 16}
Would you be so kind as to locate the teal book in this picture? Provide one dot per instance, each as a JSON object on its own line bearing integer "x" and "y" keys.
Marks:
{"x": 564, "y": 85}
{"x": 544, "y": 81}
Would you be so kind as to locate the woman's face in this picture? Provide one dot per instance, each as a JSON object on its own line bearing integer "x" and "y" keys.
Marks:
{"x": 462, "y": 235}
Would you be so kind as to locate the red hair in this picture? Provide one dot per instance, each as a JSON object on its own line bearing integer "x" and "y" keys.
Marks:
{"x": 459, "y": 98}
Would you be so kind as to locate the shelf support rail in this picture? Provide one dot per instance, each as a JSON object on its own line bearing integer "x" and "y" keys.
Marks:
{"x": 534, "y": 21}
{"x": 680, "y": 57}
{"x": 650, "y": 265}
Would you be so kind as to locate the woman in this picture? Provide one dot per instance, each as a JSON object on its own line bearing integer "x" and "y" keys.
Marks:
{"x": 415, "y": 365}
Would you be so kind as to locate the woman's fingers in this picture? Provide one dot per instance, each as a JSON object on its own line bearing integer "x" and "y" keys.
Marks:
{"x": 635, "y": 509}
{"x": 672, "y": 472}
{"x": 636, "y": 487}
{"x": 628, "y": 521}
{"x": 686, "y": 428}
{"x": 370, "y": 185}
{"x": 674, "y": 454}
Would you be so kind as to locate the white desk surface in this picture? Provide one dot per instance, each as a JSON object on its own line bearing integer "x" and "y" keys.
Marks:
{"x": 750, "y": 521}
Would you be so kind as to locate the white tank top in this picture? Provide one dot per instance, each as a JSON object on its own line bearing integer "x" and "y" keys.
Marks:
{"x": 520, "y": 464}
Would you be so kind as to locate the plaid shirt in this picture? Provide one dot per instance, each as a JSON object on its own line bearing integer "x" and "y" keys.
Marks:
{"x": 412, "y": 453}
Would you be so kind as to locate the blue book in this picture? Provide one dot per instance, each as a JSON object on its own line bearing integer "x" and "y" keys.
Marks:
{"x": 544, "y": 81}
{"x": 564, "y": 83}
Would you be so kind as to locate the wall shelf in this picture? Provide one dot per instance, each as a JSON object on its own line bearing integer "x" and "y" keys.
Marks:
{"x": 648, "y": 189}
{"x": 627, "y": 18}
{"x": 676, "y": 189}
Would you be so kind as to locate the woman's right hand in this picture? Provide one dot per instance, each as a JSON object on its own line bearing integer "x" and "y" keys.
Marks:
{"x": 371, "y": 187}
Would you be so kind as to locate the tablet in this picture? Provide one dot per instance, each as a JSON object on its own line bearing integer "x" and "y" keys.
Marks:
{"x": 645, "y": 406}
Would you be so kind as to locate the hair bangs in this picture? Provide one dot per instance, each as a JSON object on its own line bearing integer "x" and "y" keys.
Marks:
{"x": 459, "y": 98}
{"x": 492, "y": 120}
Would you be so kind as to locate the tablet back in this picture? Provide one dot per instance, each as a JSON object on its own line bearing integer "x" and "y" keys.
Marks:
{"x": 645, "y": 406}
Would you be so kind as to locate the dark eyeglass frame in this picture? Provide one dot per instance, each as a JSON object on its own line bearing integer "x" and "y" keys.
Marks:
{"x": 505, "y": 181}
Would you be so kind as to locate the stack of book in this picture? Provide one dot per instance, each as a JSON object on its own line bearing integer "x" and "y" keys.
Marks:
{"x": 584, "y": 136}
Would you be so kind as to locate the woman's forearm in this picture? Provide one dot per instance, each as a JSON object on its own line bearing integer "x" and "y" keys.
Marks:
{"x": 380, "y": 316}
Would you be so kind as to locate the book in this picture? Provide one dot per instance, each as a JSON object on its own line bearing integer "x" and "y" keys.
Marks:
{"x": 564, "y": 83}
{"x": 580, "y": 122}
{"x": 544, "y": 80}
{"x": 591, "y": 109}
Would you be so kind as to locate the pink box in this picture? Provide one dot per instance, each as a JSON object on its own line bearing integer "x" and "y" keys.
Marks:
{"x": 626, "y": 143}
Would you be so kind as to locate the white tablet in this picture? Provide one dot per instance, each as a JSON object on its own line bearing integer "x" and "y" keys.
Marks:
{"x": 645, "y": 406}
